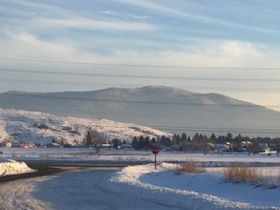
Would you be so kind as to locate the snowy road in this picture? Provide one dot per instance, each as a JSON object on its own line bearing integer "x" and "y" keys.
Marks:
{"x": 133, "y": 188}
{"x": 87, "y": 190}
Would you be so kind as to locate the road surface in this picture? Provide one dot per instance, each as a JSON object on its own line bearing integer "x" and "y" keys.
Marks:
{"x": 76, "y": 190}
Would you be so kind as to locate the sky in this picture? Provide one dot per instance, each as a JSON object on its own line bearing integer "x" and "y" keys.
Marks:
{"x": 225, "y": 46}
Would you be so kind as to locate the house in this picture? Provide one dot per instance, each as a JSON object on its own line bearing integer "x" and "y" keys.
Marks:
{"x": 8, "y": 144}
{"x": 27, "y": 146}
{"x": 53, "y": 145}
{"x": 223, "y": 147}
{"x": 264, "y": 147}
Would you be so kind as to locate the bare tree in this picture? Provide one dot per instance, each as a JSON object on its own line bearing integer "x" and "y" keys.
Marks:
{"x": 95, "y": 139}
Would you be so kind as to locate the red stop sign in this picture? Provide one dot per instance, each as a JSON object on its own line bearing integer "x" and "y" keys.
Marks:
{"x": 155, "y": 150}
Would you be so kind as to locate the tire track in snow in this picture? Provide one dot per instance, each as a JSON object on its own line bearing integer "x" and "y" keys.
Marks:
{"x": 18, "y": 195}
{"x": 176, "y": 197}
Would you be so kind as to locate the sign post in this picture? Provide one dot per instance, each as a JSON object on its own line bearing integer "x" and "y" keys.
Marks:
{"x": 155, "y": 151}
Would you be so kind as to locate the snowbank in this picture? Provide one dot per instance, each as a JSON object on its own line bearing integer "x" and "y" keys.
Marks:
{"x": 11, "y": 167}
{"x": 196, "y": 191}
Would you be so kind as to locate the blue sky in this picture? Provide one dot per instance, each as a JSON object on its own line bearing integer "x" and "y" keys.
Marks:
{"x": 208, "y": 33}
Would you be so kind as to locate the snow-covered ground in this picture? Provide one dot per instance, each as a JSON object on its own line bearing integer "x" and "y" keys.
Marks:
{"x": 86, "y": 190}
{"x": 11, "y": 167}
{"x": 87, "y": 154}
{"x": 135, "y": 188}
{"x": 36, "y": 127}
{"x": 197, "y": 191}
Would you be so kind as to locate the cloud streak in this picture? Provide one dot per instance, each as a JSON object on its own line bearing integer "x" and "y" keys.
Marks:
{"x": 89, "y": 24}
{"x": 156, "y": 32}
{"x": 159, "y": 7}
{"x": 209, "y": 53}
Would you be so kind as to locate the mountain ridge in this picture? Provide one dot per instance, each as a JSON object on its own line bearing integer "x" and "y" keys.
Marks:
{"x": 159, "y": 106}
{"x": 157, "y": 89}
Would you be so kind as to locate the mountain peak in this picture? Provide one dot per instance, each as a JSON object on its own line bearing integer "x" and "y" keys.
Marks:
{"x": 165, "y": 89}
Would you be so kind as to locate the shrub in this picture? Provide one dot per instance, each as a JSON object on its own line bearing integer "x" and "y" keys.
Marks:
{"x": 189, "y": 167}
{"x": 242, "y": 174}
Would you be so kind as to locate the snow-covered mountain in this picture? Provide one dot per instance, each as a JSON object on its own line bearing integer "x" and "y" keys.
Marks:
{"x": 156, "y": 106}
{"x": 36, "y": 127}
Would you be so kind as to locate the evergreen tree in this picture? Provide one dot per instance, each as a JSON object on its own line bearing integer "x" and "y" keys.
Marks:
{"x": 141, "y": 142}
{"x": 135, "y": 143}
{"x": 153, "y": 141}
{"x": 184, "y": 137}
{"x": 213, "y": 138}
{"x": 165, "y": 141}
{"x": 88, "y": 139}
{"x": 116, "y": 143}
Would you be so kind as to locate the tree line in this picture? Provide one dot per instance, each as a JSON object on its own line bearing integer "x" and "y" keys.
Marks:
{"x": 204, "y": 143}
{"x": 196, "y": 143}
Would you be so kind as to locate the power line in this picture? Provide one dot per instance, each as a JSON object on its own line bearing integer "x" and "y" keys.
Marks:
{"x": 186, "y": 129}
{"x": 128, "y": 85}
{"x": 140, "y": 65}
{"x": 132, "y": 101}
{"x": 172, "y": 129}
{"x": 219, "y": 130}
{"x": 130, "y": 76}
{"x": 198, "y": 129}
{"x": 65, "y": 82}
{"x": 160, "y": 117}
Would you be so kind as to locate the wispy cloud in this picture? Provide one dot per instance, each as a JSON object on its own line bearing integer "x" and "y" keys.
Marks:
{"x": 109, "y": 13}
{"x": 54, "y": 17}
{"x": 176, "y": 12}
{"x": 140, "y": 17}
{"x": 155, "y": 32}
{"x": 87, "y": 24}
{"x": 26, "y": 45}
{"x": 209, "y": 53}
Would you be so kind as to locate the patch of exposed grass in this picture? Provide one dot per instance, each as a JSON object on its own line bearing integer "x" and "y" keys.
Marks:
{"x": 243, "y": 174}
{"x": 189, "y": 167}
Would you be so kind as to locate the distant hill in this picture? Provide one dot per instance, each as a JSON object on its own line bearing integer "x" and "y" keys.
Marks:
{"x": 37, "y": 127}
{"x": 162, "y": 107}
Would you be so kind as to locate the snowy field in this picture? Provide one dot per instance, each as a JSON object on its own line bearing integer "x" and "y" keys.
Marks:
{"x": 198, "y": 191}
{"x": 136, "y": 187}
{"x": 86, "y": 154}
